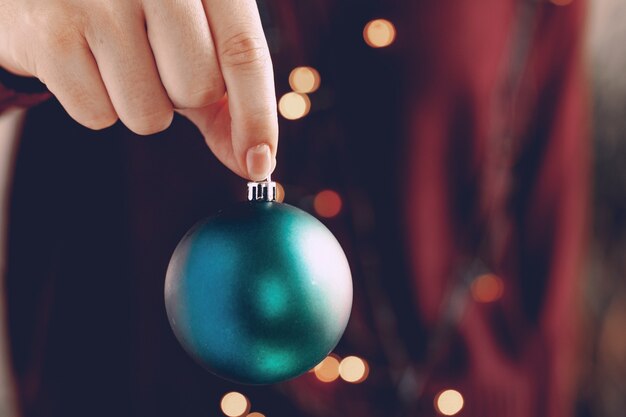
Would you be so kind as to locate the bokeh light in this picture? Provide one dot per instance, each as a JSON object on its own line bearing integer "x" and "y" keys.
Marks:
{"x": 256, "y": 414}
{"x": 304, "y": 79}
{"x": 487, "y": 288}
{"x": 327, "y": 203}
{"x": 449, "y": 402}
{"x": 235, "y": 404}
{"x": 328, "y": 369}
{"x": 353, "y": 369}
{"x": 280, "y": 192}
{"x": 379, "y": 33}
{"x": 293, "y": 106}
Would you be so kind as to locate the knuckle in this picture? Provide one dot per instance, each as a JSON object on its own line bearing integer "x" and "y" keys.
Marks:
{"x": 150, "y": 123}
{"x": 103, "y": 25}
{"x": 88, "y": 107}
{"x": 59, "y": 29}
{"x": 244, "y": 50}
{"x": 196, "y": 97}
{"x": 60, "y": 39}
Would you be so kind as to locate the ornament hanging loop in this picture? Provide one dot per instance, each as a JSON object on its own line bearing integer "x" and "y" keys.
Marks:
{"x": 262, "y": 190}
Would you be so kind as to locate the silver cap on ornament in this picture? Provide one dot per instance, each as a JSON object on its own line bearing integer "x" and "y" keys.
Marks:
{"x": 262, "y": 190}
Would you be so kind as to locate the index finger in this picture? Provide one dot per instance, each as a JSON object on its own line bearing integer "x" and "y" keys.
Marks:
{"x": 246, "y": 67}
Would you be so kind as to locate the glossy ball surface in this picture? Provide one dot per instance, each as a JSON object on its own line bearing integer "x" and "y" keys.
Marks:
{"x": 259, "y": 293}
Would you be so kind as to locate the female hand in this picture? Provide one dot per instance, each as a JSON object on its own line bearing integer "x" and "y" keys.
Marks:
{"x": 138, "y": 60}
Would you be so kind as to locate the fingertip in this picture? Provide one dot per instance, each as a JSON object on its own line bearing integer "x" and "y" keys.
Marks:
{"x": 259, "y": 162}
{"x": 273, "y": 165}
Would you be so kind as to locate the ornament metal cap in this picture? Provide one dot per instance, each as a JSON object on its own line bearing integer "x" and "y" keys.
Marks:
{"x": 262, "y": 190}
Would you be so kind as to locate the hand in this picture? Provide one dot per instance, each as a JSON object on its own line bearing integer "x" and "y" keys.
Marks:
{"x": 138, "y": 60}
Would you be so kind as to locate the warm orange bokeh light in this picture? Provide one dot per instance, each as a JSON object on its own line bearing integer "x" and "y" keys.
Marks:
{"x": 280, "y": 192}
{"x": 255, "y": 414}
{"x": 293, "y": 106}
{"x": 487, "y": 288}
{"x": 327, "y": 203}
{"x": 353, "y": 369}
{"x": 328, "y": 369}
{"x": 449, "y": 402}
{"x": 235, "y": 404}
{"x": 379, "y": 33}
{"x": 304, "y": 79}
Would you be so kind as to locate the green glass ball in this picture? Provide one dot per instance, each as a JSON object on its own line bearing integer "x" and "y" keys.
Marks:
{"x": 260, "y": 293}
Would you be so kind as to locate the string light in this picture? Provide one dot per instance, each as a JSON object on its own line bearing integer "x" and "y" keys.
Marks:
{"x": 379, "y": 33}
{"x": 235, "y": 404}
{"x": 328, "y": 369}
{"x": 293, "y": 106}
{"x": 304, "y": 79}
{"x": 487, "y": 288}
{"x": 327, "y": 203}
{"x": 449, "y": 402}
{"x": 353, "y": 369}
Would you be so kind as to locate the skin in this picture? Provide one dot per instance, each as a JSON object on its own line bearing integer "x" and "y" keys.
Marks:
{"x": 140, "y": 60}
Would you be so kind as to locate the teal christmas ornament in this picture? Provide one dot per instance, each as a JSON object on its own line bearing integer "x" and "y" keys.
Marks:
{"x": 259, "y": 293}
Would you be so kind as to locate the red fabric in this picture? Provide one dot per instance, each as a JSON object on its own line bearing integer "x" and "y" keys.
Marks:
{"x": 529, "y": 372}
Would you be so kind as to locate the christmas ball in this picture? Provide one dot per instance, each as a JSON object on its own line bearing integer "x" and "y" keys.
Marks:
{"x": 259, "y": 293}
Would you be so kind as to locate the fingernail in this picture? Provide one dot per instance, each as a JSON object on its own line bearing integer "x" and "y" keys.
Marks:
{"x": 259, "y": 162}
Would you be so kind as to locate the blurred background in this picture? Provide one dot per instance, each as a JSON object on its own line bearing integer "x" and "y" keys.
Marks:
{"x": 470, "y": 158}
{"x": 603, "y": 391}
